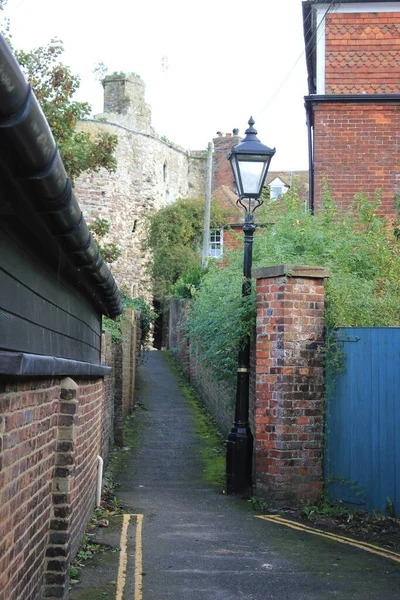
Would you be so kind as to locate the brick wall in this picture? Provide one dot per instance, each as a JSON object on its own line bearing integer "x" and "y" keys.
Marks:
{"x": 28, "y": 428}
{"x": 218, "y": 398}
{"x": 51, "y": 433}
{"x": 221, "y": 168}
{"x": 108, "y": 407}
{"x": 357, "y": 149}
{"x": 87, "y": 447}
{"x": 362, "y": 53}
{"x": 288, "y": 383}
{"x": 128, "y": 360}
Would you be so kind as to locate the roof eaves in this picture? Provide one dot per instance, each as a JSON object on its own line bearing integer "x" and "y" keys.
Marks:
{"x": 310, "y": 43}
{"x": 29, "y": 151}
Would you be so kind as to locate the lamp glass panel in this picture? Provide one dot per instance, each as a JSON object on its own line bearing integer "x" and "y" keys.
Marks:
{"x": 251, "y": 175}
{"x": 236, "y": 174}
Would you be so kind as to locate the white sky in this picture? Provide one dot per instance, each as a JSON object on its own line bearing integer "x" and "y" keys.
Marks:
{"x": 228, "y": 59}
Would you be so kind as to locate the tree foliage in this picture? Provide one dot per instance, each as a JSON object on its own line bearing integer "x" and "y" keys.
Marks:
{"x": 100, "y": 228}
{"x": 359, "y": 248}
{"x": 174, "y": 236}
{"x": 54, "y": 86}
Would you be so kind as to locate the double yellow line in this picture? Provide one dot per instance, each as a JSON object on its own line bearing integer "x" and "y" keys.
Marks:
{"x": 123, "y": 558}
{"x": 331, "y": 536}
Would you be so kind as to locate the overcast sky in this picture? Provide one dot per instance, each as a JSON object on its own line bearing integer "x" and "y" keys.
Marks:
{"x": 224, "y": 61}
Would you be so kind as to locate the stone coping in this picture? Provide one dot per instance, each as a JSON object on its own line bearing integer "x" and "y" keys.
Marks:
{"x": 291, "y": 271}
{"x": 23, "y": 364}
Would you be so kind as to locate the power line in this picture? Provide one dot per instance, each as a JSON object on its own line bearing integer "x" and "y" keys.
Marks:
{"x": 333, "y": 3}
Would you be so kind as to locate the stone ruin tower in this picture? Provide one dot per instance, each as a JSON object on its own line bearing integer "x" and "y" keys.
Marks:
{"x": 125, "y": 97}
{"x": 151, "y": 172}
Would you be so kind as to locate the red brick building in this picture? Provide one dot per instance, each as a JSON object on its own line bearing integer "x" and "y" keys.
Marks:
{"x": 353, "y": 107}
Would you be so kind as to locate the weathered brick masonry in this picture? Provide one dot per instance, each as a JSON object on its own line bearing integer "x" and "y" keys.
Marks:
{"x": 217, "y": 397}
{"x": 51, "y": 436}
{"x": 28, "y": 422}
{"x": 51, "y": 433}
{"x": 288, "y": 404}
{"x": 221, "y": 170}
{"x": 357, "y": 149}
{"x": 356, "y": 143}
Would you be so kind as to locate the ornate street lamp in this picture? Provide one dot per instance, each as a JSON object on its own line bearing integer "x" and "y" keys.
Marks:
{"x": 250, "y": 161}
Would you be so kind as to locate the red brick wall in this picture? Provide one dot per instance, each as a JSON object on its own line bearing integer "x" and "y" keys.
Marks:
{"x": 28, "y": 428}
{"x": 108, "y": 408}
{"x": 362, "y": 53}
{"x": 128, "y": 359}
{"x": 288, "y": 386}
{"x": 51, "y": 433}
{"x": 222, "y": 170}
{"x": 87, "y": 447}
{"x": 357, "y": 149}
{"x": 233, "y": 238}
{"x": 218, "y": 398}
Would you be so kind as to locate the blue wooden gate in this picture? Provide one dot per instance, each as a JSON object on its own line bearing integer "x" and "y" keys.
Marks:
{"x": 362, "y": 457}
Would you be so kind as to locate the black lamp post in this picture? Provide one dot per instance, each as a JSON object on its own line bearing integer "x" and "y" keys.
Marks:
{"x": 250, "y": 161}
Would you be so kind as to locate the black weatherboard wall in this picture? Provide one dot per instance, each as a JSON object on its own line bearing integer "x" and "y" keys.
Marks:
{"x": 40, "y": 313}
{"x": 54, "y": 284}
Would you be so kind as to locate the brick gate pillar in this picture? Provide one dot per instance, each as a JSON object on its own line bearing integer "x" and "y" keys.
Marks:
{"x": 288, "y": 407}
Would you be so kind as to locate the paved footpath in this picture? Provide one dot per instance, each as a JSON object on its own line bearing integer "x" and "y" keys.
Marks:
{"x": 194, "y": 543}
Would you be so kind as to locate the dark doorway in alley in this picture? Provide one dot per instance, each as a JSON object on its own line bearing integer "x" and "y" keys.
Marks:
{"x": 158, "y": 325}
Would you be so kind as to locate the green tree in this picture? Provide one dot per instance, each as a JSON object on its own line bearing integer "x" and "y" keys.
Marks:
{"x": 54, "y": 86}
{"x": 174, "y": 236}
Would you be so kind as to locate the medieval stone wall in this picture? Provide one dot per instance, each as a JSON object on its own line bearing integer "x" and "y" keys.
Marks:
{"x": 151, "y": 173}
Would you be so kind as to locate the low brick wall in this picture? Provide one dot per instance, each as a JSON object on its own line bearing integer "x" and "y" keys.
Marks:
{"x": 51, "y": 433}
{"x": 218, "y": 398}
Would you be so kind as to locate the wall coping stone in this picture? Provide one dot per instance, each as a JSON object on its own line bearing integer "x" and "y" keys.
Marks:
{"x": 291, "y": 271}
{"x": 24, "y": 364}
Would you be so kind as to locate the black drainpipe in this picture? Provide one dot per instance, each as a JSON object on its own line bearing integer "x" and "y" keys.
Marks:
{"x": 310, "y": 124}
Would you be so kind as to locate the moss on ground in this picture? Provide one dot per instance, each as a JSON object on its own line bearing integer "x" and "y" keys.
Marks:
{"x": 213, "y": 450}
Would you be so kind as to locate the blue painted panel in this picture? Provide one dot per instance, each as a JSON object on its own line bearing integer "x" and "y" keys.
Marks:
{"x": 362, "y": 461}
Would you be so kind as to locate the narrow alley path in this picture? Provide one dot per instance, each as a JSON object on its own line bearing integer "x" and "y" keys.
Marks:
{"x": 198, "y": 544}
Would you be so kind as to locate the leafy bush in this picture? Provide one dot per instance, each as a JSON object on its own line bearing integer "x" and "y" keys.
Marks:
{"x": 147, "y": 318}
{"x": 220, "y": 318}
{"x": 188, "y": 284}
{"x": 358, "y": 246}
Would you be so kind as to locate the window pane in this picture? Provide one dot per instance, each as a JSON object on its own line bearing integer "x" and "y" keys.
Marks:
{"x": 215, "y": 245}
